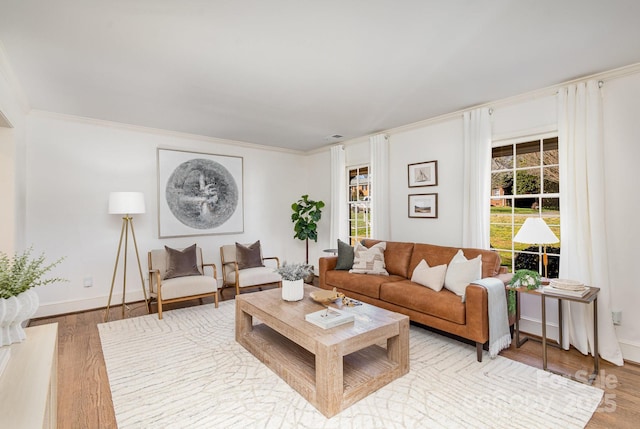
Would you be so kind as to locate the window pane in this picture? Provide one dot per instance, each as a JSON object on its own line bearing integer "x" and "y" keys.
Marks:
{"x": 528, "y": 181}
{"x": 528, "y": 154}
{"x": 502, "y": 183}
{"x": 506, "y": 259}
{"x": 551, "y": 176}
{"x": 550, "y": 151}
{"x": 502, "y": 158}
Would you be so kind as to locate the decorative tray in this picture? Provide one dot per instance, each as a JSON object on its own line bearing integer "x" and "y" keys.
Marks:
{"x": 325, "y": 296}
{"x": 567, "y": 284}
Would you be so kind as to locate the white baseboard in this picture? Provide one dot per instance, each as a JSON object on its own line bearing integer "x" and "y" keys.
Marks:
{"x": 72, "y": 306}
{"x": 630, "y": 350}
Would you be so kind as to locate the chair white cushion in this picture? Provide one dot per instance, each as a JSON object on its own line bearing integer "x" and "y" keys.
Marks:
{"x": 188, "y": 286}
{"x": 254, "y": 276}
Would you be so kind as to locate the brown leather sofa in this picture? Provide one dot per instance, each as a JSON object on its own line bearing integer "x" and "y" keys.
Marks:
{"x": 441, "y": 310}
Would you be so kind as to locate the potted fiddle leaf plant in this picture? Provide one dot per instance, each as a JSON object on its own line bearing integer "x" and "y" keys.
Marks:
{"x": 306, "y": 215}
{"x": 18, "y": 301}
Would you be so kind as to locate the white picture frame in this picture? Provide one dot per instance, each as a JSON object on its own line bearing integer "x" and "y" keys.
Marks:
{"x": 199, "y": 193}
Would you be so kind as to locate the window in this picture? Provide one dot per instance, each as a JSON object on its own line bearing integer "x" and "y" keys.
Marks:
{"x": 359, "y": 203}
{"x": 525, "y": 182}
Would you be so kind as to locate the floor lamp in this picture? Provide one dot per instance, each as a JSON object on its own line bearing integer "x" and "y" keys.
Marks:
{"x": 536, "y": 231}
{"x": 126, "y": 203}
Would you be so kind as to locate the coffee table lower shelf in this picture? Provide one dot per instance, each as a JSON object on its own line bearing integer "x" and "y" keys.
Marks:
{"x": 363, "y": 371}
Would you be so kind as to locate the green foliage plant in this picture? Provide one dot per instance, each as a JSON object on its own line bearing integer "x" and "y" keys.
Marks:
{"x": 23, "y": 272}
{"x": 522, "y": 278}
{"x": 306, "y": 214}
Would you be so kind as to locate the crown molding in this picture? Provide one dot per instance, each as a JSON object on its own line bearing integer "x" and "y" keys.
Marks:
{"x": 158, "y": 131}
{"x": 527, "y": 96}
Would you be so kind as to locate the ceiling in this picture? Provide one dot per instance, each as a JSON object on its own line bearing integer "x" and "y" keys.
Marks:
{"x": 290, "y": 73}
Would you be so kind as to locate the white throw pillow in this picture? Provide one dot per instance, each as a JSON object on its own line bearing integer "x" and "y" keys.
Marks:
{"x": 369, "y": 261}
{"x": 461, "y": 272}
{"x": 431, "y": 277}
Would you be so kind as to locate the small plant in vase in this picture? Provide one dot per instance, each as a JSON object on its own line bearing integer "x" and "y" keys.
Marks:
{"x": 522, "y": 278}
{"x": 18, "y": 302}
{"x": 293, "y": 276}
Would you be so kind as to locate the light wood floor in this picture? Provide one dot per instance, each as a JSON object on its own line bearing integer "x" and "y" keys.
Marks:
{"x": 84, "y": 398}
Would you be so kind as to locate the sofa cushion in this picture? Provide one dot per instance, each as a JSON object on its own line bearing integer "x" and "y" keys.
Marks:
{"x": 397, "y": 256}
{"x": 438, "y": 255}
{"x": 431, "y": 277}
{"x": 364, "y": 284}
{"x": 345, "y": 256}
{"x": 369, "y": 260}
{"x": 461, "y": 272}
{"x": 444, "y": 304}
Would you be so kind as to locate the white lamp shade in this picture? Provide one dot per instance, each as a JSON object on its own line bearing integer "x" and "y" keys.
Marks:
{"x": 535, "y": 231}
{"x": 126, "y": 203}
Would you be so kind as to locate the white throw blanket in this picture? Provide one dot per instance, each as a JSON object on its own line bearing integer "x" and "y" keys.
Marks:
{"x": 499, "y": 335}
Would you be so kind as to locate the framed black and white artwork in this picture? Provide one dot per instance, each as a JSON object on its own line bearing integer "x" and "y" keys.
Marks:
{"x": 423, "y": 205}
{"x": 423, "y": 174}
{"x": 199, "y": 193}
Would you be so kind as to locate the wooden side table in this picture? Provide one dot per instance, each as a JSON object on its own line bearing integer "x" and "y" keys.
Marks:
{"x": 590, "y": 297}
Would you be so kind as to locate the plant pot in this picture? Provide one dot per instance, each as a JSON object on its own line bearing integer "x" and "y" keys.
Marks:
{"x": 292, "y": 290}
{"x": 13, "y": 312}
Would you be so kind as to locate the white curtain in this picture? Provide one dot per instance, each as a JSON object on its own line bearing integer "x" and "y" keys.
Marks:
{"x": 339, "y": 211}
{"x": 379, "y": 176}
{"x": 476, "y": 179}
{"x": 583, "y": 250}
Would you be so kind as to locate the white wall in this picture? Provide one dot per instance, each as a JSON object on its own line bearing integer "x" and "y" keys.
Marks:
{"x": 622, "y": 138}
{"x": 12, "y": 149}
{"x": 72, "y": 167}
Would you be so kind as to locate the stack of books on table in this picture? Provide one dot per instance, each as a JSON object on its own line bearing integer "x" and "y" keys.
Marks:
{"x": 566, "y": 287}
{"x": 329, "y": 317}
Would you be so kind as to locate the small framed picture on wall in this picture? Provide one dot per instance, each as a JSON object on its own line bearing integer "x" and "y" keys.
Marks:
{"x": 423, "y": 174}
{"x": 423, "y": 205}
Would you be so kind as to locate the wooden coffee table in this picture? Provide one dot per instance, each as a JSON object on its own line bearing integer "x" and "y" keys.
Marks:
{"x": 331, "y": 368}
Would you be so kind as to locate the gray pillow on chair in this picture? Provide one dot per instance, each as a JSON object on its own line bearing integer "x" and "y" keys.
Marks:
{"x": 249, "y": 256}
{"x": 181, "y": 263}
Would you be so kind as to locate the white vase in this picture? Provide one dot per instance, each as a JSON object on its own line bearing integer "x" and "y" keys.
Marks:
{"x": 14, "y": 311}
{"x": 292, "y": 290}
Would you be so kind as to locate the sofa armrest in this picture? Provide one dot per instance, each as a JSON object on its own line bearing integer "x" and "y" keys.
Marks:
{"x": 326, "y": 263}
{"x": 477, "y": 316}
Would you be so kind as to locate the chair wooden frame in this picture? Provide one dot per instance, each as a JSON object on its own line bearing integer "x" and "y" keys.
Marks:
{"x": 236, "y": 284}
{"x": 156, "y": 276}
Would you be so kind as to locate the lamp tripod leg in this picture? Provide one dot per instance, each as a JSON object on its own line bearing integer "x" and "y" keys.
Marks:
{"x": 115, "y": 270}
{"x": 127, "y": 219}
{"x": 144, "y": 291}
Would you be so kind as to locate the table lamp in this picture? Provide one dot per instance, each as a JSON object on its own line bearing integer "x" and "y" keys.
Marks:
{"x": 536, "y": 231}
{"x": 126, "y": 203}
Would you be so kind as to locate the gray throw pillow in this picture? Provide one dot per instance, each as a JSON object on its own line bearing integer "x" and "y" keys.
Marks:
{"x": 181, "y": 263}
{"x": 249, "y": 256}
{"x": 345, "y": 256}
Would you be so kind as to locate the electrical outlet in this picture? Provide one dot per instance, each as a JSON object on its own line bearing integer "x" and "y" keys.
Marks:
{"x": 88, "y": 281}
{"x": 616, "y": 315}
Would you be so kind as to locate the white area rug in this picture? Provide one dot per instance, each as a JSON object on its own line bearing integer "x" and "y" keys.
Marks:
{"x": 187, "y": 371}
